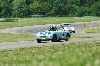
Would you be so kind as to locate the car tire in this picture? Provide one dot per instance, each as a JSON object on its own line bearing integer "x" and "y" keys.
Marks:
{"x": 39, "y": 41}
{"x": 70, "y": 31}
{"x": 67, "y": 37}
{"x": 54, "y": 39}
{"x": 73, "y": 31}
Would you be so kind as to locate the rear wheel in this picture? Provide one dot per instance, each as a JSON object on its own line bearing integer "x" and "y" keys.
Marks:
{"x": 67, "y": 37}
{"x": 39, "y": 41}
{"x": 54, "y": 39}
{"x": 73, "y": 31}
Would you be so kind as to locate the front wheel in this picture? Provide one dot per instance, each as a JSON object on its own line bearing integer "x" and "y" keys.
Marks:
{"x": 67, "y": 37}
{"x": 39, "y": 41}
{"x": 54, "y": 39}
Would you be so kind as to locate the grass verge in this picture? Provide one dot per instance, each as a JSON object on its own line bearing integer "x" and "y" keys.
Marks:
{"x": 73, "y": 54}
{"x": 93, "y": 30}
{"x": 46, "y": 20}
{"x": 6, "y": 37}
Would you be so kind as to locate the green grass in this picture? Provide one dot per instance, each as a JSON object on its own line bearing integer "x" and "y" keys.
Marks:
{"x": 6, "y": 37}
{"x": 93, "y": 30}
{"x": 46, "y": 20}
{"x": 73, "y": 54}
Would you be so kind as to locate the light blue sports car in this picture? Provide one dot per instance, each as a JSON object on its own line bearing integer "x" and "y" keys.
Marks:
{"x": 53, "y": 35}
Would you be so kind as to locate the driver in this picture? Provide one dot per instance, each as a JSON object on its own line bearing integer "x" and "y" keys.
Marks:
{"x": 53, "y": 28}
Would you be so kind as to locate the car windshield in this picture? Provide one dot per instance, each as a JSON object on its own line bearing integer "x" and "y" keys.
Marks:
{"x": 67, "y": 25}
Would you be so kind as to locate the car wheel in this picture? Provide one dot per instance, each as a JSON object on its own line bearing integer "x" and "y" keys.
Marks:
{"x": 73, "y": 31}
{"x": 67, "y": 37}
{"x": 54, "y": 39}
{"x": 70, "y": 31}
{"x": 58, "y": 39}
{"x": 39, "y": 41}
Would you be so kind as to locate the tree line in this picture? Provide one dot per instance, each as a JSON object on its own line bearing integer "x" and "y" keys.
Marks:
{"x": 28, "y": 8}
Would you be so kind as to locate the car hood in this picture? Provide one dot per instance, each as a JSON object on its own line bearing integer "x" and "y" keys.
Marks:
{"x": 45, "y": 33}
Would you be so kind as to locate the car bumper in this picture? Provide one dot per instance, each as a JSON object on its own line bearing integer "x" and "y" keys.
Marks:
{"x": 43, "y": 39}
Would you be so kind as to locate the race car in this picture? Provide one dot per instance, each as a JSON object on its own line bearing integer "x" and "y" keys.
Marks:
{"x": 68, "y": 27}
{"x": 53, "y": 34}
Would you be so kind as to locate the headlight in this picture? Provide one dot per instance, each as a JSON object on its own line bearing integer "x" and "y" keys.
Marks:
{"x": 37, "y": 34}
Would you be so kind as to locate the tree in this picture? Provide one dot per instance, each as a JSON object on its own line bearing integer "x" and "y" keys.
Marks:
{"x": 20, "y": 8}
{"x": 5, "y": 9}
{"x": 25, "y": 8}
{"x": 96, "y": 8}
{"x": 40, "y": 8}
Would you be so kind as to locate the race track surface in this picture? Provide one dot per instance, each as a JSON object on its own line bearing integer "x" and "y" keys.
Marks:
{"x": 36, "y": 28}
